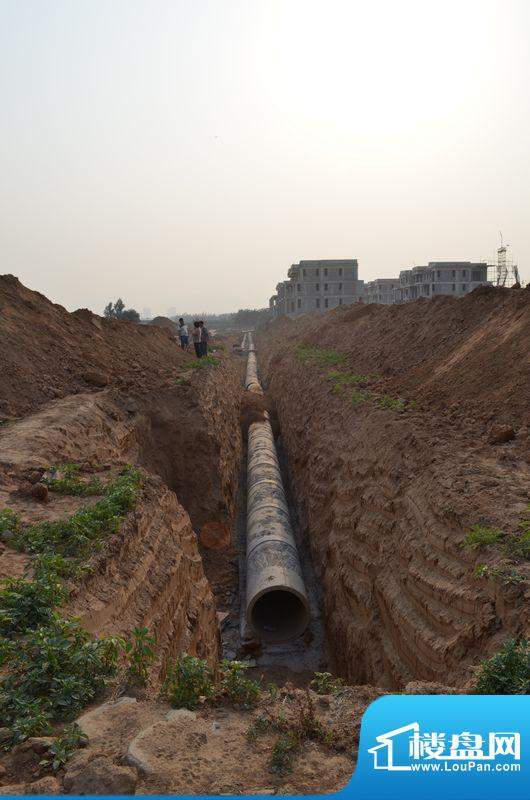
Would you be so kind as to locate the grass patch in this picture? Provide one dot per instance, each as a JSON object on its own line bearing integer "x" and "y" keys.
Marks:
{"x": 302, "y": 725}
{"x": 71, "y": 483}
{"x": 181, "y": 381}
{"x": 480, "y": 536}
{"x": 77, "y": 536}
{"x": 201, "y": 363}
{"x": 345, "y": 378}
{"x": 391, "y": 403}
{"x": 359, "y": 396}
{"x": 318, "y": 355}
{"x": 506, "y": 672}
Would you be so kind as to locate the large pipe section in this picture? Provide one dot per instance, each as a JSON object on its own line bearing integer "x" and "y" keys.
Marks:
{"x": 251, "y": 379}
{"x": 277, "y": 605}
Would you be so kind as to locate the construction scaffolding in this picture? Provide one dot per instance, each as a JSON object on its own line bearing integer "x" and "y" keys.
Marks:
{"x": 504, "y": 272}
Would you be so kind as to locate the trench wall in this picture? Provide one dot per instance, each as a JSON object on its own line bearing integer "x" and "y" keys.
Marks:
{"x": 385, "y": 498}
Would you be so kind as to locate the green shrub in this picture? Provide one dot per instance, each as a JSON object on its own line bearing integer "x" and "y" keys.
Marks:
{"x": 479, "y": 536}
{"x": 24, "y": 604}
{"x": 181, "y": 381}
{"x": 506, "y": 672}
{"x": 235, "y": 685}
{"x": 50, "y": 667}
{"x": 54, "y": 671}
{"x": 325, "y": 683}
{"x": 283, "y": 753}
{"x": 63, "y": 746}
{"x": 188, "y": 682}
{"x": 9, "y": 522}
{"x": 71, "y": 483}
{"x": 140, "y": 655}
{"x": 506, "y": 576}
{"x": 260, "y": 726}
{"x": 517, "y": 545}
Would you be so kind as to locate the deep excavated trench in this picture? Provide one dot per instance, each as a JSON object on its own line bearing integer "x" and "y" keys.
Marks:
{"x": 367, "y": 501}
{"x": 276, "y": 617}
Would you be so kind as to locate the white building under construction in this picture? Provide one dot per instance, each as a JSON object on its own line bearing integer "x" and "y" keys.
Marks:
{"x": 314, "y": 286}
{"x": 440, "y": 278}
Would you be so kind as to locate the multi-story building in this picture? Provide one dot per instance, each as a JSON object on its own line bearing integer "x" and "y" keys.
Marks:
{"x": 314, "y": 286}
{"x": 440, "y": 278}
{"x": 380, "y": 290}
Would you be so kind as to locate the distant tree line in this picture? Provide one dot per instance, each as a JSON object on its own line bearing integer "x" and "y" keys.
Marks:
{"x": 118, "y": 311}
{"x": 240, "y": 320}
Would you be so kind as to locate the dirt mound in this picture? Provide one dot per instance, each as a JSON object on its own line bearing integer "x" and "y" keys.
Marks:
{"x": 46, "y": 352}
{"x": 446, "y": 353}
{"x": 392, "y": 464}
{"x": 165, "y": 322}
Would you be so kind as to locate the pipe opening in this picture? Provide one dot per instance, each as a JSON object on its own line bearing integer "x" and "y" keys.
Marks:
{"x": 279, "y": 615}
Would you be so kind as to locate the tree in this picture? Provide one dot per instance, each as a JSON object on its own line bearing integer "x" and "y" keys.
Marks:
{"x": 119, "y": 308}
{"x": 250, "y": 317}
{"x": 118, "y": 311}
{"x": 130, "y": 314}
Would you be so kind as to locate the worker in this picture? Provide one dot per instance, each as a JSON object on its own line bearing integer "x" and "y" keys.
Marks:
{"x": 196, "y": 336}
{"x": 183, "y": 334}
{"x": 204, "y": 338}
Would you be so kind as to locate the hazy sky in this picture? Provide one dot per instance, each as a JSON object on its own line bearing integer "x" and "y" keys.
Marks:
{"x": 185, "y": 153}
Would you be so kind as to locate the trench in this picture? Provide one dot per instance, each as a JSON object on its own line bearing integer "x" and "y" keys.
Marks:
{"x": 295, "y": 647}
{"x": 187, "y": 455}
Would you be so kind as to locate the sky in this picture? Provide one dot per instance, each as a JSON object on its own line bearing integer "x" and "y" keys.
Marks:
{"x": 183, "y": 153}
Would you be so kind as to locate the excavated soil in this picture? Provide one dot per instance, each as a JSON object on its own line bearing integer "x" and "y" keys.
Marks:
{"x": 47, "y": 353}
{"x": 386, "y": 498}
{"x": 102, "y": 393}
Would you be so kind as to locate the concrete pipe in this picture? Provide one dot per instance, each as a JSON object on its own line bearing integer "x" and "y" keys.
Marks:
{"x": 277, "y": 605}
{"x": 251, "y": 380}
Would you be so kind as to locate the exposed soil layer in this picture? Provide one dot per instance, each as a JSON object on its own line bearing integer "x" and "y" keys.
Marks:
{"x": 387, "y": 496}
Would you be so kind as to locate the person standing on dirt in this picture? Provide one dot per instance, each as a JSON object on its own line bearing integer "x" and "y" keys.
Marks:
{"x": 196, "y": 336}
{"x": 184, "y": 335}
{"x": 205, "y": 336}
